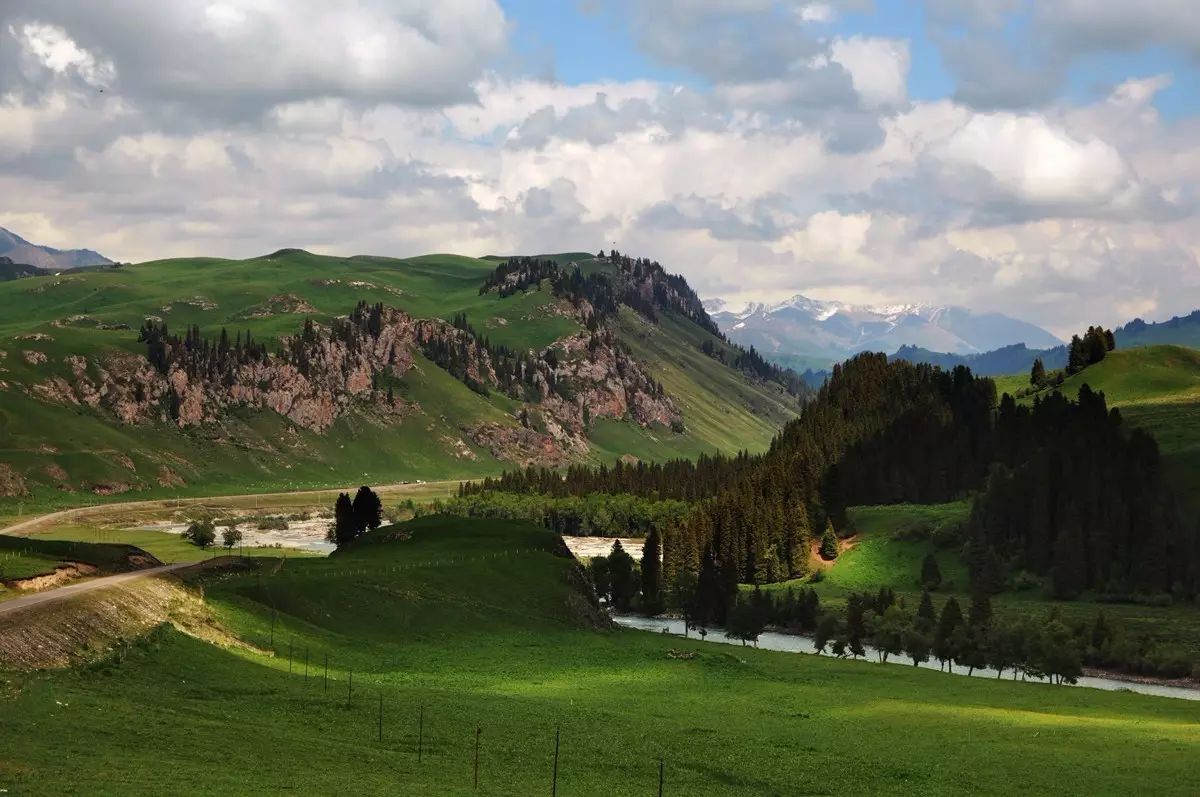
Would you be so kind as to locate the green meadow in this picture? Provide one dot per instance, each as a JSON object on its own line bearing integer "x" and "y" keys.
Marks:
{"x": 479, "y": 626}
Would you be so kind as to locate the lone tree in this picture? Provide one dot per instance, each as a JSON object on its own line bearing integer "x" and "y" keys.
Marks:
{"x": 746, "y": 621}
{"x": 231, "y": 536}
{"x": 344, "y": 528}
{"x": 201, "y": 533}
{"x": 829, "y": 544}
{"x": 931, "y": 574}
{"x": 1037, "y": 376}
{"x": 367, "y": 509}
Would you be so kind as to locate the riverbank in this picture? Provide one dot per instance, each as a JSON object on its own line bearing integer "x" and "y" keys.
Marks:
{"x": 794, "y": 643}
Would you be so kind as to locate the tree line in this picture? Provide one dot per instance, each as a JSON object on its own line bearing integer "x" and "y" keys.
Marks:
{"x": 593, "y": 515}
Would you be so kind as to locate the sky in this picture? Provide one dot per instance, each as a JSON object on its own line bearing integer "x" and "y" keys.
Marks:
{"x": 1035, "y": 158}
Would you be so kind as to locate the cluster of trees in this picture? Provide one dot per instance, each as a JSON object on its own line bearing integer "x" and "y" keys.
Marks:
{"x": 1075, "y": 497}
{"x": 627, "y": 583}
{"x": 518, "y": 374}
{"x": 1090, "y": 349}
{"x": 518, "y": 274}
{"x": 353, "y": 517}
{"x": 592, "y": 515}
{"x": 203, "y": 534}
{"x": 750, "y": 362}
{"x": 198, "y": 356}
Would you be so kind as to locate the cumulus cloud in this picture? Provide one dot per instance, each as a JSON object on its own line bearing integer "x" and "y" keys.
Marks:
{"x": 793, "y": 159}
{"x": 235, "y": 58}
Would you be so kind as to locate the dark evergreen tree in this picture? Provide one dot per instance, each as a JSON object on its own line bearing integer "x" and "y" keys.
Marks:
{"x": 620, "y": 569}
{"x": 652, "y": 573}
{"x": 931, "y": 574}
{"x": 367, "y": 509}
{"x": 345, "y": 525}
{"x": 829, "y": 544}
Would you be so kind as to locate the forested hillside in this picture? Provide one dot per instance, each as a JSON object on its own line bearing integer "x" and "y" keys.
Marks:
{"x": 1063, "y": 489}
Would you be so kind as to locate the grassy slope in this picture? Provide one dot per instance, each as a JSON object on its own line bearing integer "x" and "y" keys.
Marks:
{"x": 885, "y": 554}
{"x": 260, "y": 451}
{"x": 491, "y": 641}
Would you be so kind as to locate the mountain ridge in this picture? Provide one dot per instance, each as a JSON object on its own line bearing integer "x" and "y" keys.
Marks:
{"x": 48, "y": 258}
{"x": 810, "y": 333}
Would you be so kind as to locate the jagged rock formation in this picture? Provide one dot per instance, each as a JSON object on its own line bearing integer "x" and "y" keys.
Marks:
{"x": 322, "y": 373}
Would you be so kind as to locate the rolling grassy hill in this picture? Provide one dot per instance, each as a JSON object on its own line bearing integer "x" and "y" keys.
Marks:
{"x": 63, "y": 451}
{"x": 479, "y": 625}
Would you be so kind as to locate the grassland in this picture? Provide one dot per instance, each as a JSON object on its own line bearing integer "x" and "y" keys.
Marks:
{"x": 67, "y": 453}
{"x": 477, "y": 622}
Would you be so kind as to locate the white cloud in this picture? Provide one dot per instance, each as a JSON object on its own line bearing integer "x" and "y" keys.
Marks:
{"x": 55, "y": 50}
{"x": 878, "y": 68}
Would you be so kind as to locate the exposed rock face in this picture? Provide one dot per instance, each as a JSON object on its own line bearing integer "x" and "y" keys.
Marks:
{"x": 34, "y": 357}
{"x": 321, "y": 374}
{"x": 312, "y": 391}
{"x": 11, "y": 483}
{"x": 283, "y": 303}
{"x": 607, "y": 384}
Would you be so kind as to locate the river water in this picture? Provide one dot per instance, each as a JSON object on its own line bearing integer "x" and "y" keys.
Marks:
{"x": 792, "y": 643}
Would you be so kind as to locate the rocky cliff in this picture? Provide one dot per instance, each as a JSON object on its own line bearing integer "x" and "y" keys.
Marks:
{"x": 322, "y": 373}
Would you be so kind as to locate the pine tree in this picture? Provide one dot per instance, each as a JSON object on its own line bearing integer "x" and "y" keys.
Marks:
{"x": 344, "y": 528}
{"x": 652, "y": 573}
{"x": 944, "y": 635}
{"x": 620, "y": 569}
{"x": 931, "y": 574}
{"x": 926, "y": 615}
{"x": 1037, "y": 376}
{"x": 829, "y": 543}
{"x": 367, "y": 509}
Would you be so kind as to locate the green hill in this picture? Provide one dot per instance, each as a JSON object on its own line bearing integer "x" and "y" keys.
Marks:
{"x": 58, "y": 440}
{"x": 480, "y": 630}
{"x": 1157, "y": 388}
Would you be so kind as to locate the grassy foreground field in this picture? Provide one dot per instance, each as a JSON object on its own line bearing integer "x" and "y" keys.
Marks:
{"x": 481, "y": 624}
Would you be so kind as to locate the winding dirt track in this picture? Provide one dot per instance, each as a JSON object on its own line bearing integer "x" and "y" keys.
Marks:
{"x": 60, "y": 593}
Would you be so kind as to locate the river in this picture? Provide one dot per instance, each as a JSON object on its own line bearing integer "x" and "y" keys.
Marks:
{"x": 792, "y": 643}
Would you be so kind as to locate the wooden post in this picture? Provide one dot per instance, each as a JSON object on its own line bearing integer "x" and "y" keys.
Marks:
{"x": 381, "y": 717}
{"x": 554, "y": 782}
{"x": 349, "y": 688}
{"x": 420, "y": 732}
{"x": 327, "y": 673}
{"x": 660, "y": 776}
{"x": 478, "y": 732}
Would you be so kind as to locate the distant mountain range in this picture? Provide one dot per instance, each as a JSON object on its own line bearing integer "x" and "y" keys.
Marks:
{"x": 1018, "y": 358}
{"x": 22, "y": 252}
{"x": 806, "y": 333}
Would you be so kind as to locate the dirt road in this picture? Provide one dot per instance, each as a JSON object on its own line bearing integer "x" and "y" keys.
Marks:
{"x": 37, "y": 598}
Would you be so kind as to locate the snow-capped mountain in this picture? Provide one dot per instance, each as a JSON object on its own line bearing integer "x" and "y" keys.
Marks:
{"x": 804, "y": 333}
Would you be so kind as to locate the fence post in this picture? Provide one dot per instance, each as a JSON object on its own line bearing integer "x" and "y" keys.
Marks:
{"x": 420, "y": 732}
{"x": 349, "y": 688}
{"x": 478, "y": 732}
{"x": 554, "y": 782}
{"x": 381, "y": 716}
{"x": 660, "y": 776}
{"x": 327, "y": 672}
